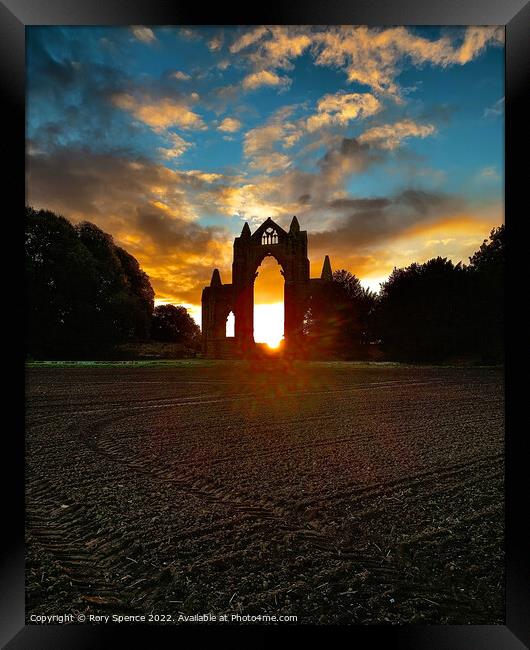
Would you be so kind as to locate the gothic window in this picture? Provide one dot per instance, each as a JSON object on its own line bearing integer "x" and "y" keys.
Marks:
{"x": 270, "y": 236}
{"x": 230, "y": 325}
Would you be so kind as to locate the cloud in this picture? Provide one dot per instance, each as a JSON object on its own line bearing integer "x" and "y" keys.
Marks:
{"x": 261, "y": 139}
{"x": 159, "y": 113}
{"x": 181, "y": 76}
{"x": 264, "y": 78}
{"x": 375, "y": 235}
{"x": 300, "y": 160}
{"x": 247, "y": 39}
{"x": 275, "y": 46}
{"x": 390, "y": 136}
{"x": 188, "y": 34}
{"x": 265, "y": 145}
{"x": 342, "y": 160}
{"x": 215, "y": 43}
{"x": 253, "y": 200}
{"x": 340, "y": 108}
{"x": 148, "y": 208}
{"x": 144, "y": 34}
{"x": 274, "y": 49}
{"x": 370, "y": 56}
{"x": 285, "y": 44}
{"x": 73, "y": 90}
{"x": 153, "y": 212}
{"x": 489, "y": 173}
{"x": 475, "y": 41}
{"x": 261, "y": 144}
{"x": 292, "y": 191}
{"x": 229, "y": 125}
{"x": 374, "y": 56}
{"x": 496, "y": 110}
{"x": 207, "y": 177}
{"x": 374, "y": 262}
{"x": 178, "y": 146}
{"x": 365, "y": 222}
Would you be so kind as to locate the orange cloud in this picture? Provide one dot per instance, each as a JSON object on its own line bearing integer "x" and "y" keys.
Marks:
{"x": 475, "y": 41}
{"x": 149, "y": 209}
{"x": 275, "y": 45}
{"x": 390, "y": 136}
{"x": 247, "y": 39}
{"x": 370, "y": 56}
{"x": 177, "y": 148}
{"x": 215, "y": 43}
{"x": 285, "y": 44}
{"x": 341, "y": 108}
{"x": 159, "y": 114}
{"x": 229, "y": 125}
{"x": 455, "y": 237}
{"x": 181, "y": 76}
{"x": 264, "y": 78}
{"x": 144, "y": 34}
{"x": 261, "y": 143}
{"x": 460, "y": 225}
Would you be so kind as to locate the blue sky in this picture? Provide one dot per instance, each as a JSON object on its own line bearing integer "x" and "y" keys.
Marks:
{"x": 386, "y": 143}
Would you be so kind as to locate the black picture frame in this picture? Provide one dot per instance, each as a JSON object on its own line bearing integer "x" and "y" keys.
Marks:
{"x": 15, "y": 15}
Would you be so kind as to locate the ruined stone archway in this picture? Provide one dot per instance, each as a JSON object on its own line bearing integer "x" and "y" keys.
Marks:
{"x": 290, "y": 251}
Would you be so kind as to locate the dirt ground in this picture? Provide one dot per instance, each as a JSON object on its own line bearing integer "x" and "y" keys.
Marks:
{"x": 337, "y": 493}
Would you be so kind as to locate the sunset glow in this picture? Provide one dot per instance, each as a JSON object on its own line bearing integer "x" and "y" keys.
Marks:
{"x": 264, "y": 355}
{"x": 268, "y": 324}
{"x": 268, "y": 303}
{"x": 387, "y": 143}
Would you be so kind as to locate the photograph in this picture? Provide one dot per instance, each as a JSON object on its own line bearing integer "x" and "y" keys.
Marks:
{"x": 264, "y": 324}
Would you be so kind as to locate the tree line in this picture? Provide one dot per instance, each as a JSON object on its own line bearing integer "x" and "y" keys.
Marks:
{"x": 435, "y": 311}
{"x": 85, "y": 295}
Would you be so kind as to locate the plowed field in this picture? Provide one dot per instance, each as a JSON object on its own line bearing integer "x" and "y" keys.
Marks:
{"x": 338, "y": 493}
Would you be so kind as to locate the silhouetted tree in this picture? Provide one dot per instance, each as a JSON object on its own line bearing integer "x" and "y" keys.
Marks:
{"x": 173, "y": 324}
{"x": 422, "y": 311}
{"x": 337, "y": 319}
{"x": 360, "y": 305}
{"x": 85, "y": 294}
{"x": 125, "y": 295}
{"x": 491, "y": 256}
{"x": 486, "y": 271}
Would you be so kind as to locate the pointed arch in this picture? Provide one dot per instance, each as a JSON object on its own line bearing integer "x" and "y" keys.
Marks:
{"x": 269, "y": 303}
{"x": 230, "y": 325}
{"x": 289, "y": 248}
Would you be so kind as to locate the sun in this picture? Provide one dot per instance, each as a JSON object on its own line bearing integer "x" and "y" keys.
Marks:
{"x": 268, "y": 324}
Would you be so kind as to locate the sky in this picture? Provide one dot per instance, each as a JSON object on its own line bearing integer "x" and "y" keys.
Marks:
{"x": 386, "y": 143}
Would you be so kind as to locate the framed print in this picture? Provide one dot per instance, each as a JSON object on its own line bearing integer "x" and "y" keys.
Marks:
{"x": 263, "y": 328}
